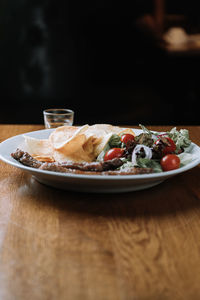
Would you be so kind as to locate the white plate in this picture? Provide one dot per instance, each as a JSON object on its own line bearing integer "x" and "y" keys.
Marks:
{"x": 90, "y": 183}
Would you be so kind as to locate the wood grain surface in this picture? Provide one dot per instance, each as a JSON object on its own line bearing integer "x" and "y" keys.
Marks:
{"x": 65, "y": 245}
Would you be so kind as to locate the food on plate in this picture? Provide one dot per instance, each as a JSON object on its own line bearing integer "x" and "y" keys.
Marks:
{"x": 106, "y": 149}
{"x": 170, "y": 162}
{"x": 45, "y": 153}
{"x": 110, "y": 167}
{"x": 113, "y": 153}
{"x": 126, "y": 137}
{"x": 71, "y": 143}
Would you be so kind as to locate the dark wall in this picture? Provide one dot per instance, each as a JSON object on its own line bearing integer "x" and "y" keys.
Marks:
{"x": 93, "y": 57}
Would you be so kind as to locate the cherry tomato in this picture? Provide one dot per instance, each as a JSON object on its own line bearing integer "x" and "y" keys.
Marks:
{"x": 168, "y": 148}
{"x": 170, "y": 162}
{"x": 127, "y": 137}
{"x": 113, "y": 153}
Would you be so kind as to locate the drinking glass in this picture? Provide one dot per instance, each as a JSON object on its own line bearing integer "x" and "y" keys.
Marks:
{"x": 55, "y": 117}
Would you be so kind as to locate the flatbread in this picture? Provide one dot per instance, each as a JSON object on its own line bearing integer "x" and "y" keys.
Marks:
{"x": 40, "y": 149}
{"x": 62, "y": 134}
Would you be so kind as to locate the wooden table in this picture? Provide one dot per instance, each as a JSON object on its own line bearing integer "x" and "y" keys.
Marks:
{"x": 65, "y": 245}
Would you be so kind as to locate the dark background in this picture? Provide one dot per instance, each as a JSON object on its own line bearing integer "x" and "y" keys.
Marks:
{"x": 96, "y": 58}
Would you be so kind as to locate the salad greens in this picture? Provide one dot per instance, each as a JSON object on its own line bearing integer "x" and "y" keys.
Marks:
{"x": 149, "y": 163}
{"x": 147, "y": 149}
{"x": 181, "y": 137}
{"x": 114, "y": 141}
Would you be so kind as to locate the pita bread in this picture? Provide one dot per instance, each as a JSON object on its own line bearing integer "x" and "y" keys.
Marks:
{"x": 126, "y": 130}
{"x": 72, "y": 145}
{"x": 38, "y": 148}
{"x": 78, "y": 156}
{"x": 61, "y": 134}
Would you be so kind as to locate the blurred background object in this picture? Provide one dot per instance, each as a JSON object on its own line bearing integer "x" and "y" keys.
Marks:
{"x": 115, "y": 58}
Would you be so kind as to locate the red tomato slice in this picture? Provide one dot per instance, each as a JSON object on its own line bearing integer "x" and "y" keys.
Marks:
{"x": 170, "y": 148}
{"x": 127, "y": 137}
{"x": 170, "y": 162}
{"x": 113, "y": 153}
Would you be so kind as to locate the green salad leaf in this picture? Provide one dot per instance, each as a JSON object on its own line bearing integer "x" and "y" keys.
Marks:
{"x": 149, "y": 163}
{"x": 115, "y": 141}
{"x": 144, "y": 139}
{"x": 181, "y": 138}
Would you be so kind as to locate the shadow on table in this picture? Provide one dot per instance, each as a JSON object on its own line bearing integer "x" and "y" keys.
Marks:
{"x": 175, "y": 195}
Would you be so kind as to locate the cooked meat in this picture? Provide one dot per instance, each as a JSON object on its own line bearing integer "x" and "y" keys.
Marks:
{"x": 112, "y": 164}
{"x": 26, "y": 159}
{"x": 94, "y": 168}
{"x": 129, "y": 171}
{"x": 55, "y": 167}
{"x": 59, "y": 168}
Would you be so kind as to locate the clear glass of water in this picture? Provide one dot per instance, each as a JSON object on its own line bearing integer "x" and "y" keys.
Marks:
{"x": 55, "y": 117}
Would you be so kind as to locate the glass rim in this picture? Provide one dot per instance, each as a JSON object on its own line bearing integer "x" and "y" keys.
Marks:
{"x": 58, "y": 111}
